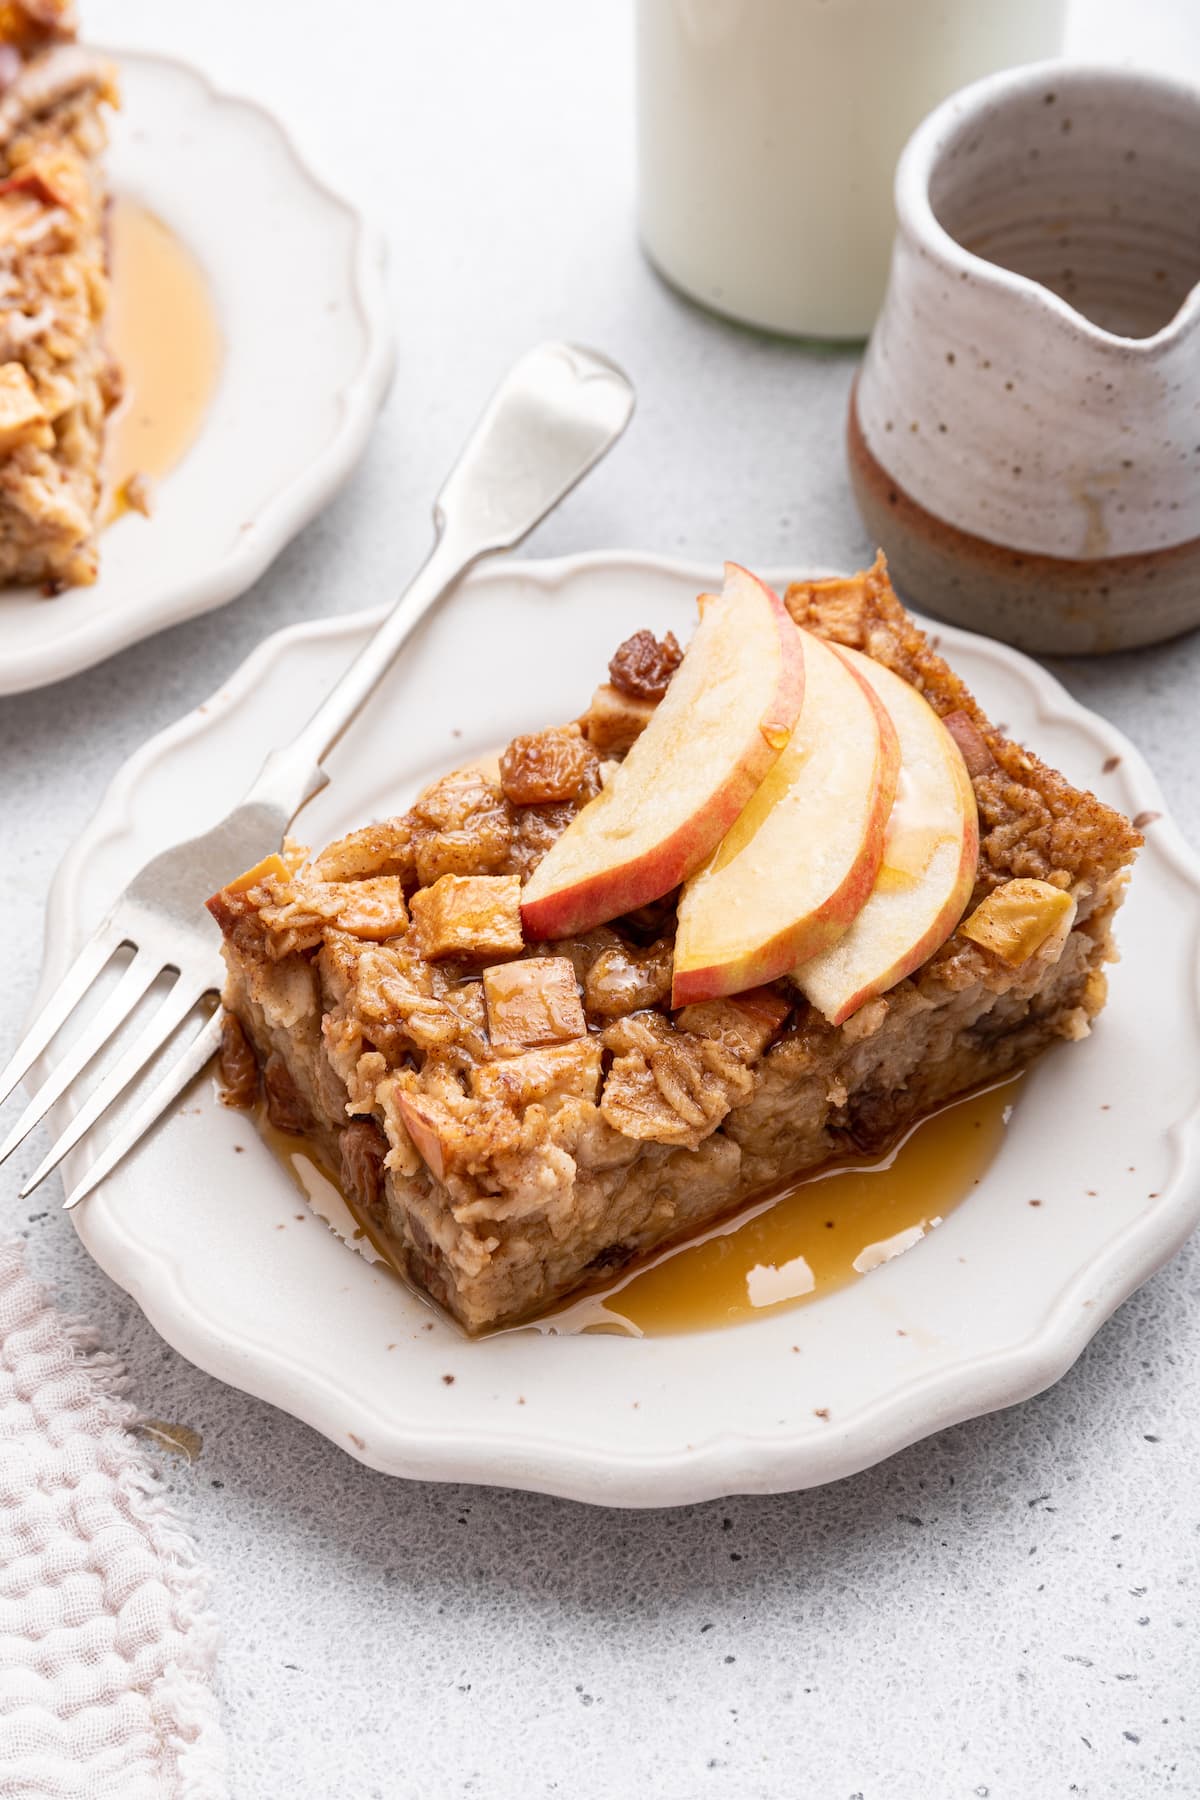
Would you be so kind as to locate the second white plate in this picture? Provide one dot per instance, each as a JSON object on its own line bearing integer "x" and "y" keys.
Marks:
{"x": 296, "y": 278}
{"x": 203, "y": 1227}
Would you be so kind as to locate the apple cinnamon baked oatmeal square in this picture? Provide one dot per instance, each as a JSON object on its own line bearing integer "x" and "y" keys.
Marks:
{"x": 768, "y": 902}
{"x": 58, "y": 382}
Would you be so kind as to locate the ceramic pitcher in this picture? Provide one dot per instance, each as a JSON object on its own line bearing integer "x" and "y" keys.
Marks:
{"x": 1024, "y": 437}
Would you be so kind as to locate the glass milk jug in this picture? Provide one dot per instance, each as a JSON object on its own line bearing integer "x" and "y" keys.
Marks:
{"x": 768, "y": 131}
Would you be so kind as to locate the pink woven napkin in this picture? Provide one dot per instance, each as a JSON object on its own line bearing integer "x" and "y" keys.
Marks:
{"x": 107, "y": 1646}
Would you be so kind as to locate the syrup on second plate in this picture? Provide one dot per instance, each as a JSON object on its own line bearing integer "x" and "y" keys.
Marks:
{"x": 808, "y": 1239}
{"x": 162, "y": 328}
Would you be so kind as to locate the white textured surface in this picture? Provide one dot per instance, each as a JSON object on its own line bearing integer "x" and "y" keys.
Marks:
{"x": 1009, "y": 1608}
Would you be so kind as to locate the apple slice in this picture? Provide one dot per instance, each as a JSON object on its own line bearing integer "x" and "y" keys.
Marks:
{"x": 725, "y": 718}
{"x": 798, "y": 865}
{"x": 929, "y": 861}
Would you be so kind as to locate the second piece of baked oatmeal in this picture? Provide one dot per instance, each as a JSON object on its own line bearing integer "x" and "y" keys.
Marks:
{"x": 57, "y": 380}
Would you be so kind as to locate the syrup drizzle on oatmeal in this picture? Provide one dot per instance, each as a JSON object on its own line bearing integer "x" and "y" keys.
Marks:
{"x": 162, "y": 328}
{"x": 325, "y": 1195}
{"x": 807, "y": 1239}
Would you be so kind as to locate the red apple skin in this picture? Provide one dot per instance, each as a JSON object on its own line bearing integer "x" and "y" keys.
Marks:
{"x": 765, "y": 1005}
{"x": 947, "y": 918}
{"x": 825, "y": 924}
{"x": 623, "y": 887}
{"x": 423, "y": 1135}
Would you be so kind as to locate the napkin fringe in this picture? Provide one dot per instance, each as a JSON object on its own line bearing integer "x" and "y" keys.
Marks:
{"x": 58, "y": 1374}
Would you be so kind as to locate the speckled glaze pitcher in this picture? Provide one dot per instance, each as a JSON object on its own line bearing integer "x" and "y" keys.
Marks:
{"x": 1024, "y": 435}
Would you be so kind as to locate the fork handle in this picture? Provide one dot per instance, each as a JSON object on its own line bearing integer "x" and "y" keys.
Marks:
{"x": 293, "y": 774}
{"x": 556, "y": 413}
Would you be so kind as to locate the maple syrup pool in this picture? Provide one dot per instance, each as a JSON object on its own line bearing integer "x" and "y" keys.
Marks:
{"x": 805, "y": 1240}
{"x": 162, "y": 329}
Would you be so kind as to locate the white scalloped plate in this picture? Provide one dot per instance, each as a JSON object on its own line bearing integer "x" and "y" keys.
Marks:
{"x": 995, "y": 1305}
{"x": 297, "y": 280}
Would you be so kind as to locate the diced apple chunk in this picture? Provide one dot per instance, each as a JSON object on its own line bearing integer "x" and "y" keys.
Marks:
{"x": 545, "y": 1074}
{"x": 51, "y": 179}
{"x": 232, "y": 902}
{"x": 766, "y": 1008}
{"x": 746, "y": 1023}
{"x": 270, "y": 865}
{"x": 421, "y": 1120}
{"x": 468, "y": 915}
{"x": 1020, "y": 919}
{"x": 614, "y": 721}
{"x": 533, "y": 1002}
{"x": 373, "y": 909}
{"x": 23, "y": 418}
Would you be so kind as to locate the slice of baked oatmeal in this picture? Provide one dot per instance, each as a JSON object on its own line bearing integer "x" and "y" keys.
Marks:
{"x": 515, "y": 1118}
{"x": 57, "y": 380}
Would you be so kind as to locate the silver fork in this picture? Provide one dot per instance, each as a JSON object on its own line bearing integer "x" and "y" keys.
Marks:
{"x": 557, "y": 412}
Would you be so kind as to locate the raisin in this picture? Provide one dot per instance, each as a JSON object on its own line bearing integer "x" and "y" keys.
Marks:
{"x": 363, "y": 1148}
{"x": 287, "y": 1109}
{"x": 237, "y": 1065}
{"x": 612, "y": 1257}
{"x": 548, "y": 767}
{"x": 537, "y": 828}
{"x": 651, "y": 921}
{"x": 644, "y": 665}
{"x": 623, "y": 979}
{"x": 870, "y": 1120}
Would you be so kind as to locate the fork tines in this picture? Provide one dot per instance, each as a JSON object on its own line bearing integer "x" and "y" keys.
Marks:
{"x": 134, "y": 983}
